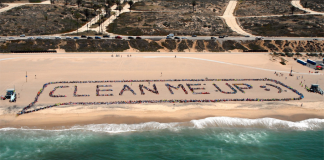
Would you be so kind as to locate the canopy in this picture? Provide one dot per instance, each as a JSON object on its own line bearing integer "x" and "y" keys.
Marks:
{"x": 318, "y": 66}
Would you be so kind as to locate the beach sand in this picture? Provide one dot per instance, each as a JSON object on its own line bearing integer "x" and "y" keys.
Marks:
{"x": 148, "y": 66}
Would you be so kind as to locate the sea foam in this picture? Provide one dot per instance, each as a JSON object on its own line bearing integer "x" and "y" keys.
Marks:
{"x": 210, "y": 122}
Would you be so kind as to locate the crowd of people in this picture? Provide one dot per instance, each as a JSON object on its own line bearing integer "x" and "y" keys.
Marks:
{"x": 77, "y": 95}
{"x": 25, "y": 109}
{"x": 97, "y": 90}
{"x": 126, "y": 88}
{"x": 180, "y": 85}
{"x": 241, "y": 88}
{"x": 234, "y": 90}
{"x": 153, "y": 91}
{"x": 51, "y": 93}
{"x": 279, "y": 89}
{"x": 192, "y": 89}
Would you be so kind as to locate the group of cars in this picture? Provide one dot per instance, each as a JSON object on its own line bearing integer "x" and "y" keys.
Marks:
{"x": 81, "y": 37}
{"x": 171, "y": 36}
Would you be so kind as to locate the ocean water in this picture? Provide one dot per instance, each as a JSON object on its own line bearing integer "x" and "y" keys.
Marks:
{"x": 210, "y": 138}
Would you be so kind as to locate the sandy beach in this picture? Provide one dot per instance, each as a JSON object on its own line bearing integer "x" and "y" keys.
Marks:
{"x": 44, "y": 68}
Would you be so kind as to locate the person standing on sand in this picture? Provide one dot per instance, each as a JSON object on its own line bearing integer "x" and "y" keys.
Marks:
{"x": 161, "y": 74}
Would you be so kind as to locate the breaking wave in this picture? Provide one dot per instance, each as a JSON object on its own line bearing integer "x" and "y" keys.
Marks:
{"x": 211, "y": 122}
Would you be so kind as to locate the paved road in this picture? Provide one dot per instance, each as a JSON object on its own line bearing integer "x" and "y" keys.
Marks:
{"x": 13, "y": 5}
{"x": 237, "y": 38}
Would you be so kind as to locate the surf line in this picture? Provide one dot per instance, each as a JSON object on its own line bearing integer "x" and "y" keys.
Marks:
{"x": 25, "y": 109}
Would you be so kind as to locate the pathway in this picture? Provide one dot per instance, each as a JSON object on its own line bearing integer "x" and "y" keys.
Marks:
{"x": 13, "y": 5}
{"x": 297, "y": 4}
{"x": 111, "y": 19}
{"x": 230, "y": 19}
{"x": 90, "y": 23}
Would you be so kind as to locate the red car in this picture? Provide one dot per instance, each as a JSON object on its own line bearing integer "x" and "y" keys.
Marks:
{"x": 118, "y": 37}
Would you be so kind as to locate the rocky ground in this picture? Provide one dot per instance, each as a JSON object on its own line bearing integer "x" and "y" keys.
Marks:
{"x": 161, "y": 45}
{"x": 214, "y": 7}
{"x": 30, "y": 20}
{"x": 154, "y": 23}
{"x": 264, "y": 7}
{"x": 315, "y": 5}
{"x": 292, "y": 26}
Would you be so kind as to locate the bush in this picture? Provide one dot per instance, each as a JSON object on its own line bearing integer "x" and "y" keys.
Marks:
{"x": 289, "y": 54}
{"x": 298, "y": 54}
{"x": 283, "y": 61}
{"x": 35, "y": 1}
{"x": 282, "y": 54}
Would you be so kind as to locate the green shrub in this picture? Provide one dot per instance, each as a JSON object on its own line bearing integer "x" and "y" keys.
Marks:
{"x": 289, "y": 54}
{"x": 298, "y": 54}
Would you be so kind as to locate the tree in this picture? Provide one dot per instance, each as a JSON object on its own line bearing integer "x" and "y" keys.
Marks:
{"x": 130, "y": 5}
{"x": 292, "y": 9}
{"x": 109, "y": 3}
{"x": 119, "y": 8}
{"x": 305, "y": 4}
{"x": 193, "y": 3}
{"x": 72, "y": 13}
{"x": 79, "y": 2}
{"x": 46, "y": 18}
{"x": 86, "y": 13}
{"x": 118, "y": 2}
{"x": 66, "y": 2}
{"x": 107, "y": 9}
{"x": 77, "y": 16}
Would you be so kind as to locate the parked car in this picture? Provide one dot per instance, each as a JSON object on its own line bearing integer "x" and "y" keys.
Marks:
{"x": 194, "y": 36}
{"x": 138, "y": 38}
{"x": 130, "y": 37}
{"x": 83, "y": 36}
{"x": 212, "y": 37}
{"x": 11, "y": 38}
{"x": 76, "y": 38}
{"x": 118, "y": 37}
{"x": 184, "y": 38}
{"x": 58, "y": 38}
{"x": 176, "y": 38}
{"x": 22, "y": 35}
{"x": 39, "y": 38}
{"x": 226, "y": 36}
{"x": 68, "y": 38}
{"x": 246, "y": 36}
{"x": 106, "y": 36}
{"x": 30, "y": 38}
{"x": 97, "y": 37}
{"x": 46, "y": 38}
{"x": 220, "y": 36}
{"x": 322, "y": 64}
{"x": 90, "y": 37}
{"x": 11, "y": 95}
{"x": 315, "y": 39}
{"x": 168, "y": 37}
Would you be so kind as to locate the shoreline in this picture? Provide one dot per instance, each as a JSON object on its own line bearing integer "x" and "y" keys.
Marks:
{"x": 60, "y": 118}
